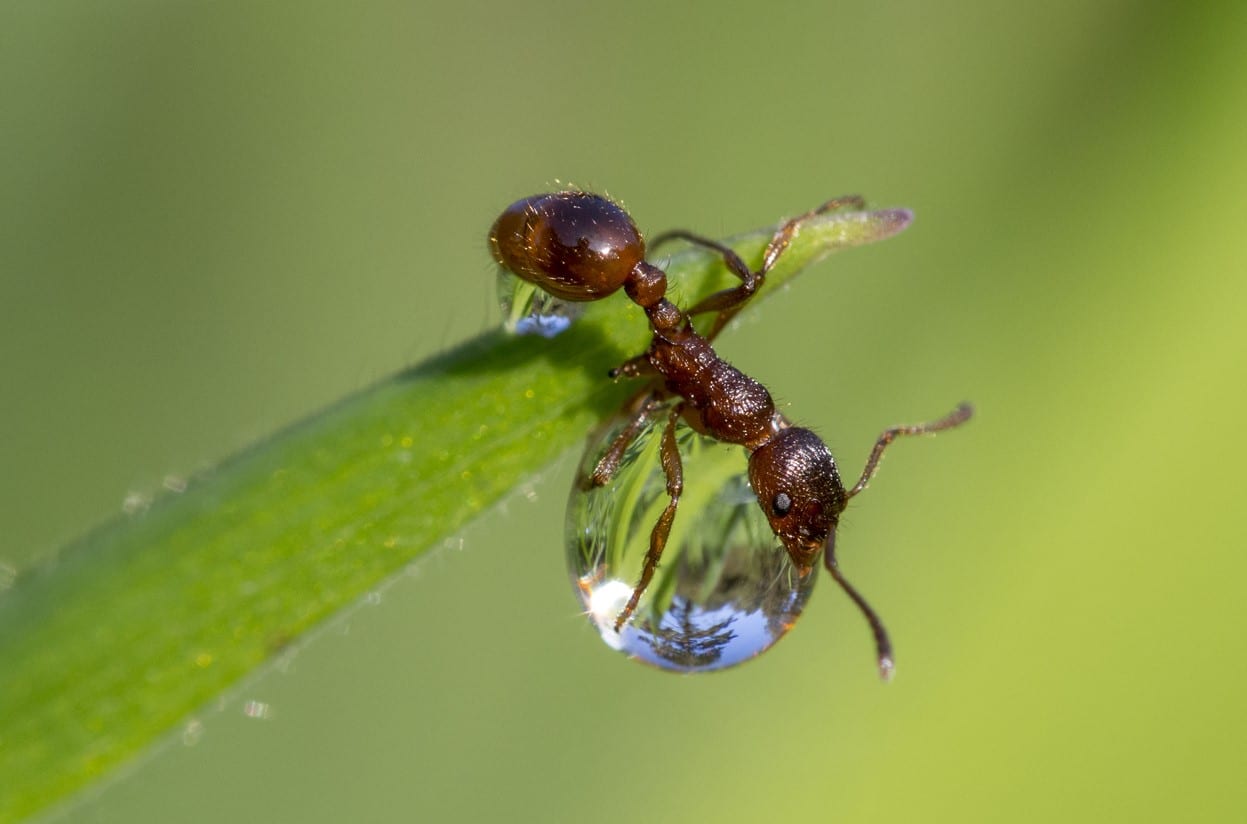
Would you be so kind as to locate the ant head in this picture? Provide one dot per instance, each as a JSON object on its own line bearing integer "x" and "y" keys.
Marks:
{"x": 575, "y": 245}
{"x": 799, "y": 489}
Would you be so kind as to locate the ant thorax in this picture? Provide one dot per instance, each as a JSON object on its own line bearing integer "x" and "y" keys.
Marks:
{"x": 719, "y": 400}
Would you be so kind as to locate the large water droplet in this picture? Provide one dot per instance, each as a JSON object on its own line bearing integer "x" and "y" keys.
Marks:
{"x": 527, "y": 310}
{"x": 725, "y": 590}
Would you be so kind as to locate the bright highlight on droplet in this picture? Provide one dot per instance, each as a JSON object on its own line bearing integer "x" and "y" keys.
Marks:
{"x": 603, "y": 601}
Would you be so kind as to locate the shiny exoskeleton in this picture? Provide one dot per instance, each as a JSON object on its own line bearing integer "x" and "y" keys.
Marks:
{"x": 581, "y": 247}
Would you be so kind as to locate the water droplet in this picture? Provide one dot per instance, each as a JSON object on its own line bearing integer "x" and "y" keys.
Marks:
{"x": 192, "y": 732}
{"x": 725, "y": 590}
{"x": 136, "y": 503}
{"x": 257, "y": 709}
{"x": 527, "y": 310}
{"x": 285, "y": 663}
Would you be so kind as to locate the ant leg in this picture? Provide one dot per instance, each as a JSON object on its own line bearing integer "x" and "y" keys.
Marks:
{"x": 641, "y": 407}
{"x": 883, "y": 645}
{"x": 730, "y": 301}
{"x": 633, "y": 368}
{"x": 674, "y": 470}
{"x": 781, "y": 239}
{"x": 955, "y": 418}
{"x": 726, "y": 299}
{"x": 730, "y": 259}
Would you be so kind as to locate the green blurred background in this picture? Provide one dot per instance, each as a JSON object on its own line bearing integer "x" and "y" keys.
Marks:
{"x": 216, "y": 218}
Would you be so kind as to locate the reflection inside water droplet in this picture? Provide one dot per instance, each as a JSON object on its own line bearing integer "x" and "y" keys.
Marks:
{"x": 725, "y": 590}
{"x": 527, "y": 310}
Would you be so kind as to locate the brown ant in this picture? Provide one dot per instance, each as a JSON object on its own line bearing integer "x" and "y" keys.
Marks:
{"x": 579, "y": 246}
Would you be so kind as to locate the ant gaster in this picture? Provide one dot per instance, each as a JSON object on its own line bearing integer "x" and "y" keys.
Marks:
{"x": 579, "y": 246}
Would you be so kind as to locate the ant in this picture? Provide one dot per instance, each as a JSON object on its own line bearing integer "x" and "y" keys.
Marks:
{"x": 579, "y": 246}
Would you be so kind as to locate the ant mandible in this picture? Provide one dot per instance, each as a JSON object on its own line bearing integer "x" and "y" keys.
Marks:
{"x": 579, "y": 246}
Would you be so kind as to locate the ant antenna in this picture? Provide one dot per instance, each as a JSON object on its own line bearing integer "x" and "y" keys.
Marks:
{"x": 883, "y": 645}
{"x": 955, "y": 418}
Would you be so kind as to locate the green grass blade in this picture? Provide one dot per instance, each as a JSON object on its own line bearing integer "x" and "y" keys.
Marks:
{"x": 127, "y": 631}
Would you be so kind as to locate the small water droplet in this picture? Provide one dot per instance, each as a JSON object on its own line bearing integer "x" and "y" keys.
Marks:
{"x": 373, "y": 598}
{"x": 257, "y": 709}
{"x": 725, "y": 590}
{"x": 527, "y": 310}
{"x": 192, "y": 732}
{"x": 136, "y": 503}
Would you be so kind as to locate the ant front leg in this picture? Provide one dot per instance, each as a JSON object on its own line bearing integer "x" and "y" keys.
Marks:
{"x": 640, "y": 407}
{"x": 673, "y": 468}
{"x": 955, "y": 418}
{"x": 730, "y": 301}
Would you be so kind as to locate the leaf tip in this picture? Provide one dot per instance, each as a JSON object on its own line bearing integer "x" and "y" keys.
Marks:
{"x": 890, "y": 222}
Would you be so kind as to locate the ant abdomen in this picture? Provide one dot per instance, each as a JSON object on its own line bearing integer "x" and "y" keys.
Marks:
{"x": 575, "y": 245}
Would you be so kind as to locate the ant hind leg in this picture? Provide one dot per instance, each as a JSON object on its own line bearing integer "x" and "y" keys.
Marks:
{"x": 784, "y": 235}
{"x": 727, "y": 298}
{"x": 730, "y": 301}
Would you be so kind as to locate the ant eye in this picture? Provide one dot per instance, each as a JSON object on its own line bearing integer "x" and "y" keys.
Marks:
{"x": 781, "y": 504}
